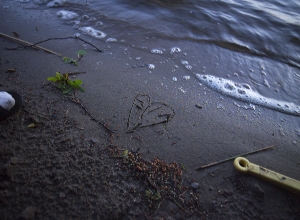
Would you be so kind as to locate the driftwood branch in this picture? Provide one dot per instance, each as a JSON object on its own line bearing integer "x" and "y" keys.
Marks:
{"x": 231, "y": 158}
{"x": 78, "y": 102}
{"x": 28, "y": 44}
{"x": 54, "y": 38}
{"x": 74, "y": 73}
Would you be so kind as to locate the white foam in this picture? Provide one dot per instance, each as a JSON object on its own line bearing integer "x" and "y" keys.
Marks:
{"x": 189, "y": 67}
{"x": 99, "y": 23}
{"x": 182, "y": 90}
{"x": 93, "y": 32}
{"x": 6, "y": 101}
{"x": 157, "y": 51}
{"x": 85, "y": 17}
{"x": 266, "y": 83}
{"x": 245, "y": 93}
{"x": 175, "y": 50}
{"x": 251, "y": 106}
{"x": 65, "y": 15}
{"x": 151, "y": 66}
{"x": 186, "y": 77}
{"x": 184, "y": 62}
{"x": 111, "y": 40}
{"x": 56, "y": 3}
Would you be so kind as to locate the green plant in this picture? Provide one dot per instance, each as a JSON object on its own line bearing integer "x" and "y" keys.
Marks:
{"x": 80, "y": 54}
{"x": 70, "y": 60}
{"x": 65, "y": 84}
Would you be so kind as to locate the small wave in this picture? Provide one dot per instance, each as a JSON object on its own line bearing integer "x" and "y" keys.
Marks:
{"x": 245, "y": 93}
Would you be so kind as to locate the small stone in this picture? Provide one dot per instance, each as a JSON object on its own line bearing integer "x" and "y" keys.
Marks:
{"x": 195, "y": 185}
{"x": 95, "y": 140}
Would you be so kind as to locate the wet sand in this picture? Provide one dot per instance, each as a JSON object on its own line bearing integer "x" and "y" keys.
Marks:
{"x": 59, "y": 170}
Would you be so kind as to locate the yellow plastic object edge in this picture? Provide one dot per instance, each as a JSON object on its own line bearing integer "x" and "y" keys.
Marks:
{"x": 243, "y": 165}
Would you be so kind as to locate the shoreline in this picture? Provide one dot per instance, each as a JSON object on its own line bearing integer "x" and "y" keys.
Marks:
{"x": 194, "y": 136}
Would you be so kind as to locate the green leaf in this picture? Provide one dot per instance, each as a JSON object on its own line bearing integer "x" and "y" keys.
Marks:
{"x": 61, "y": 84}
{"x": 52, "y": 79}
{"x": 70, "y": 60}
{"x": 65, "y": 84}
{"x": 67, "y": 60}
{"x": 67, "y": 90}
{"x": 58, "y": 76}
{"x": 76, "y": 83}
{"x": 66, "y": 77}
{"x": 81, "y": 52}
{"x": 81, "y": 89}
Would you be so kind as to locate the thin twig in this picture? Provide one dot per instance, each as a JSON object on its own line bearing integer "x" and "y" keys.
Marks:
{"x": 152, "y": 184}
{"x": 174, "y": 200}
{"x": 59, "y": 38}
{"x": 231, "y": 158}
{"x": 73, "y": 73}
{"x": 28, "y": 44}
{"x": 75, "y": 100}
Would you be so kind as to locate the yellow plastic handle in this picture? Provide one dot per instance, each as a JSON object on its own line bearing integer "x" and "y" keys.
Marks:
{"x": 243, "y": 165}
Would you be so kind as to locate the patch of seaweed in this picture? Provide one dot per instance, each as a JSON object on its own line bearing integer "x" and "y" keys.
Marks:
{"x": 162, "y": 180}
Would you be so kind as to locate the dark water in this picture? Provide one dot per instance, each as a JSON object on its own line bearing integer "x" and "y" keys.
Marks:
{"x": 269, "y": 28}
{"x": 252, "y": 42}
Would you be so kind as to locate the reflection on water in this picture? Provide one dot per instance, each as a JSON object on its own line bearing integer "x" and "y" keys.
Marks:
{"x": 256, "y": 29}
{"x": 269, "y": 28}
{"x": 277, "y": 11}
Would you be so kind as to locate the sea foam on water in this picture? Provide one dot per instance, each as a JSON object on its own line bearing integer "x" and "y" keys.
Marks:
{"x": 151, "y": 66}
{"x": 157, "y": 51}
{"x": 65, "y": 15}
{"x": 56, "y": 3}
{"x": 175, "y": 50}
{"x": 93, "y": 32}
{"x": 111, "y": 40}
{"x": 245, "y": 93}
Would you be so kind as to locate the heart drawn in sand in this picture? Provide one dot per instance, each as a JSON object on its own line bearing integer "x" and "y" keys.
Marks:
{"x": 145, "y": 113}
